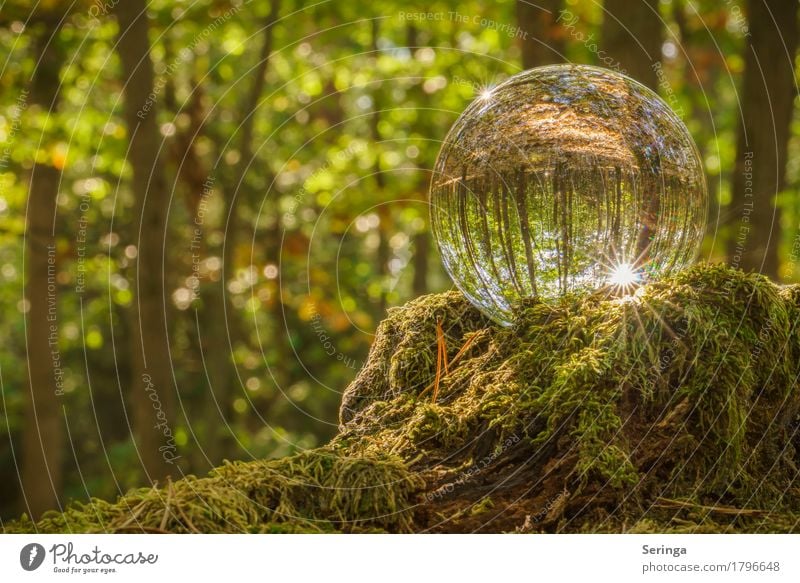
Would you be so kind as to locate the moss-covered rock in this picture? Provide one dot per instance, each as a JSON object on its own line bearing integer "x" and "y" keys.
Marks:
{"x": 322, "y": 490}
{"x": 673, "y": 409}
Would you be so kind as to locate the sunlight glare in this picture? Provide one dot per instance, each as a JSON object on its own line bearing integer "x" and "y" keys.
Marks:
{"x": 623, "y": 275}
{"x": 485, "y": 94}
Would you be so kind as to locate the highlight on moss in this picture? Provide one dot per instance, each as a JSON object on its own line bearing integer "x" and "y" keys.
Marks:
{"x": 674, "y": 409}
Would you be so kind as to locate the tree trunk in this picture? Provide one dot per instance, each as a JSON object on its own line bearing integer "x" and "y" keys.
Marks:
{"x": 422, "y": 245}
{"x": 694, "y": 43}
{"x": 541, "y": 33}
{"x": 767, "y": 95}
{"x": 631, "y": 38}
{"x": 383, "y": 252}
{"x": 43, "y": 433}
{"x": 152, "y": 389}
{"x": 422, "y": 239}
{"x": 223, "y": 325}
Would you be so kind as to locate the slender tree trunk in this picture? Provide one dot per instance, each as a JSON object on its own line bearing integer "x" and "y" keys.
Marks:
{"x": 542, "y": 35}
{"x": 224, "y": 326}
{"x": 152, "y": 388}
{"x": 632, "y": 36}
{"x": 767, "y": 95}
{"x": 235, "y": 226}
{"x": 422, "y": 239}
{"x": 383, "y": 251}
{"x": 422, "y": 245}
{"x": 693, "y": 42}
{"x": 43, "y": 433}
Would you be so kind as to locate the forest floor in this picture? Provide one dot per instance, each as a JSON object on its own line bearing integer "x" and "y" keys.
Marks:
{"x": 674, "y": 409}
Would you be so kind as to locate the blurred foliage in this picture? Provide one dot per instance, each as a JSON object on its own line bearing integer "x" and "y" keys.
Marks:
{"x": 312, "y": 178}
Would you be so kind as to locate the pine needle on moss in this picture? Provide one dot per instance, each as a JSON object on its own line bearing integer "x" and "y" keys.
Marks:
{"x": 674, "y": 409}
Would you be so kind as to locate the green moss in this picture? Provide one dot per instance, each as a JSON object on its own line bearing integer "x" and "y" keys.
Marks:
{"x": 671, "y": 410}
{"x": 684, "y": 390}
{"x": 317, "y": 491}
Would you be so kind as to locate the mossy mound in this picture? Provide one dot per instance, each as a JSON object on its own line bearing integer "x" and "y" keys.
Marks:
{"x": 320, "y": 490}
{"x": 674, "y": 409}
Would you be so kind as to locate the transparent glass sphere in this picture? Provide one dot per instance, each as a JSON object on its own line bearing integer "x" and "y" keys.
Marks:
{"x": 565, "y": 179}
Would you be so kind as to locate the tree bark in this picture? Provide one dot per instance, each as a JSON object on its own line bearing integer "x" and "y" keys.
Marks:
{"x": 152, "y": 394}
{"x": 278, "y": 368}
{"x": 422, "y": 245}
{"x": 422, "y": 239}
{"x": 43, "y": 433}
{"x": 767, "y": 95}
{"x": 383, "y": 252}
{"x": 224, "y": 325}
{"x": 632, "y": 36}
{"x": 542, "y": 36}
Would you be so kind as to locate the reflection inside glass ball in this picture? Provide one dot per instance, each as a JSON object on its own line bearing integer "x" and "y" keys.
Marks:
{"x": 565, "y": 179}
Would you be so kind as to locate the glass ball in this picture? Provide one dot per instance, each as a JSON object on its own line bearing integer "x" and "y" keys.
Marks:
{"x": 565, "y": 179}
